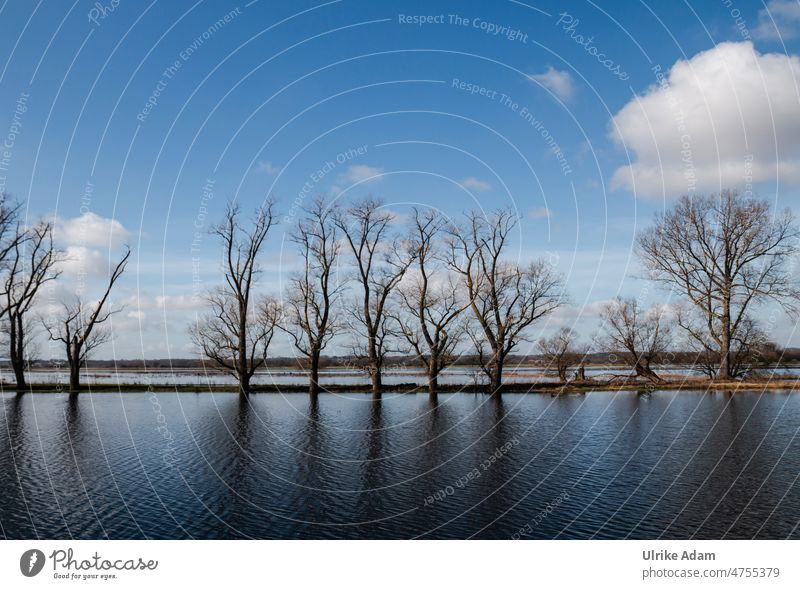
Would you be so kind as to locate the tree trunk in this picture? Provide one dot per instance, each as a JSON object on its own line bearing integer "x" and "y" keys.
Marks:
{"x": 374, "y": 368}
{"x": 17, "y": 350}
{"x": 377, "y": 385}
{"x": 241, "y": 366}
{"x": 74, "y": 360}
{"x": 642, "y": 368}
{"x": 74, "y": 377}
{"x": 724, "y": 372}
{"x": 562, "y": 373}
{"x": 496, "y": 374}
{"x": 433, "y": 369}
{"x": 313, "y": 384}
{"x": 433, "y": 375}
{"x": 244, "y": 383}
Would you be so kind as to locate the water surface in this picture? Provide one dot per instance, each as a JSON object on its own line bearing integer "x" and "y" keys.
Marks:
{"x": 599, "y": 465}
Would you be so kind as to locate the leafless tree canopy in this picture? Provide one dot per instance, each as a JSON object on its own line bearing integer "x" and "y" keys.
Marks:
{"x": 217, "y": 333}
{"x": 313, "y": 291}
{"x": 749, "y": 347}
{"x": 506, "y": 298}
{"x": 640, "y": 335}
{"x": 9, "y": 225}
{"x": 30, "y": 263}
{"x": 726, "y": 253}
{"x": 380, "y": 262}
{"x": 431, "y": 312}
{"x": 31, "y": 345}
{"x": 237, "y": 330}
{"x": 561, "y": 351}
{"x": 28, "y": 260}
{"x": 79, "y": 325}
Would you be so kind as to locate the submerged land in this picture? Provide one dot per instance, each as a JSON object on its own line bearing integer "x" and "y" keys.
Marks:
{"x": 616, "y": 382}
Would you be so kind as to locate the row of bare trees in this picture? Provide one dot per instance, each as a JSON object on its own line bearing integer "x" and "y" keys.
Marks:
{"x": 437, "y": 284}
{"x": 29, "y": 260}
{"x": 433, "y": 287}
{"x": 425, "y": 289}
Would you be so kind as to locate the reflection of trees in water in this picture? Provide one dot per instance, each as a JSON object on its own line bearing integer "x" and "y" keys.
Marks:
{"x": 17, "y": 451}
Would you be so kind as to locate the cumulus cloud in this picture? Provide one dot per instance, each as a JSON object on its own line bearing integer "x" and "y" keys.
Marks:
{"x": 727, "y": 117}
{"x": 472, "y": 183}
{"x": 558, "y": 82}
{"x": 80, "y": 261}
{"x": 90, "y": 230}
{"x": 360, "y": 173}
{"x": 267, "y": 167}
{"x": 779, "y": 20}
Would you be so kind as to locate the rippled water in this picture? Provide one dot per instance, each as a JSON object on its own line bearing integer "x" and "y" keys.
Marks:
{"x": 605, "y": 465}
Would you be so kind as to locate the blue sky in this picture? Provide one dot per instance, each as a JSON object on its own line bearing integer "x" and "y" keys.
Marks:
{"x": 139, "y": 112}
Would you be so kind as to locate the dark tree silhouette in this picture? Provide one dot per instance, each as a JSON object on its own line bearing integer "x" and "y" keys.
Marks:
{"x": 431, "y": 312}
{"x": 380, "y": 262}
{"x": 506, "y": 298}
{"x": 79, "y": 326}
{"x": 31, "y": 263}
{"x": 726, "y": 253}
{"x": 237, "y": 330}
{"x": 640, "y": 335}
{"x": 561, "y": 351}
{"x": 313, "y": 291}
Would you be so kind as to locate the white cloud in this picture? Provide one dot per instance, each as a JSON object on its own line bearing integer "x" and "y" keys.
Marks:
{"x": 267, "y": 167}
{"x": 558, "y": 82}
{"x": 728, "y": 117}
{"x": 472, "y": 183}
{"x": 540, "y": 213}
{"x": 90, "y": 230}
{"x": 779, "y": 20}
{"x": 84, "y": 262}
{"x": 361, "y": 173}
{"x": 179, "y": 302}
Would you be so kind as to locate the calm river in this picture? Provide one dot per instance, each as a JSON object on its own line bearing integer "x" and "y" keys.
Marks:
{"x": 597, "y": 465}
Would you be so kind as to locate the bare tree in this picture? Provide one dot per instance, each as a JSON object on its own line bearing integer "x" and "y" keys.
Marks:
{"x": 78, "y": 326}
{"x": 640, "y": 335}
{"x": 560, "y": 351}
{"x": 31, "y": 262}
{"x": 313, "y": 291}
{"x": 726, "y": 253}
{"x": 236, "y": 332}
{"x": 217, "y": 334}
{"x": 431, "y": 319}
{"x": 380, "y": 263}
{"x": 506, "y": 298}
